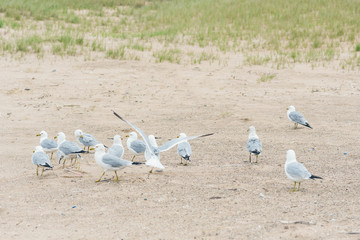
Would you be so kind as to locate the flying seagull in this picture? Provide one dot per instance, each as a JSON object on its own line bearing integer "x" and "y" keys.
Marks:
{"x": 152, "y": 152}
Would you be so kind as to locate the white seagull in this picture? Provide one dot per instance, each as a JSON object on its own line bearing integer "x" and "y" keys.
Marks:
{"x": 134, "y": 145}
{"x": 40, "y": 159}
{"x": 184, "y": 149}
{"x": 110, "y": 162}
{"x": 153, "y": 152}
{"x": 117, "y": 148}
{"x": 253, "y": 145}
{"x": 85, "y": 139}
{"x": 48, "y": 145}
{"x": 67, "y": 149}
{"x": 296, "y": 171}
{"x": 297, "y": 117}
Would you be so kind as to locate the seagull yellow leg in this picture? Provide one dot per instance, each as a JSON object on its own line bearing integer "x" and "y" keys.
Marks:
{"x": 64, "y": 163}
{"x": 250, "y": 157}
{"x": 299, "y": 186}
{"x": 100, "y": 177}
{"x": 37, "y": 170}
{"x": 186, "y": 163}
{"x": 150, "y": 172}
{"x": 133, "y": 158}
{"x": 181, "y": 160}
{"x": 257, "y": 158}
{"x": 117, "y": 178}
{"x": 42, "y": 171}
{"x": 294, "y": 187}
{"x": 51, "y": 155}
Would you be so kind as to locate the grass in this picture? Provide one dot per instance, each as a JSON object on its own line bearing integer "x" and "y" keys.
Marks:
{"x": 275, "y": 31}
{"x": 266, "y": 77}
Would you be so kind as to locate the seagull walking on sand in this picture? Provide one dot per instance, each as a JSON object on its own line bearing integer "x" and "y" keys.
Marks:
{"x": 40, "y": 159}
{"x": 153, "y": 153}
{"x": 68, "y": 149}
{"x": 296, "y": 171}
{"x": 85, "y": 139}
{"x": 297, "y": 117}
{"x": 253, "y": 145}
{"x": 184, "y": 149}
{"x": 110, "y": 162}
{"x": 48, "y": 145}
{"x": 134, "y": 145}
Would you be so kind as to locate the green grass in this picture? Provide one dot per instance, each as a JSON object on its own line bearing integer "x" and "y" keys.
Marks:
{"x": 266, "y": 77}
{"x": 279, "y": 32}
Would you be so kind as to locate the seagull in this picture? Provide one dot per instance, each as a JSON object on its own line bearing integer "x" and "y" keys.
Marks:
{"x": 85, "y": 139}
{"x": 48, "y": 145}
{"x": 295, "y": 170}
{"x": 153, "y": 152}
{"x": 67, "y": 149}
{"x": 40, "y": 159}
{"x": 184, "y": 149}
{"x": 254, "y": 145}
{"x": 117, "y": 148}
{"x": 110, "y": 162}
{"x": 134, "y": 145}
{"x": 297, "y": 117}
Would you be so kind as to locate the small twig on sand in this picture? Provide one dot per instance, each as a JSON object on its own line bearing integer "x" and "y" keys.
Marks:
{"x": 77, "y": 173}
{"x": 299, "y": 222}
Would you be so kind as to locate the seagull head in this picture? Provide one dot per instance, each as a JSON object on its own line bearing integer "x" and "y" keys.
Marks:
{"x": 99, "y": 148}
{"x": 152, "y": 140}
{"x": 290, "y": 156}
{"x": 252, "y": 132}
{"x": 117, "y": 139}
{"x": 43, "y": 134}
{"x": 78, "y": 133}
{"x": 291, "y": 108}
{"x": 132, "y": 135}
{"x": 39, "y": 149}
{"x": 182, "y": 135}
{"x": 60, "y": 137}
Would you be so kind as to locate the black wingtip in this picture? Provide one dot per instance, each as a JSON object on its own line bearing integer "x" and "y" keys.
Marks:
{"x": 256, "y": 152}
{"x": 308, "y": 125}
{"x": 117, "y": 115}
{"x": 47, "y": 165}
{"x": 137, "y": 163}
{"x": 313, "y": 177}
{"x": 209, "y": 134}
{"x": 187, "y": 157}
{"x": 82, "y": 151}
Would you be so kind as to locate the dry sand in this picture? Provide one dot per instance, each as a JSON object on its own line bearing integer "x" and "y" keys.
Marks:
{"x": 220, "y": 195}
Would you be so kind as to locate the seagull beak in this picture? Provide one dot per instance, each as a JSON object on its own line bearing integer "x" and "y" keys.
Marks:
{"x": 122, "y": 139}
{"x": 37, "y": 135}
{"x": 82, "y": 136}
{"x": 111, "y": 138}
{"x": 92, "y": 148}
{"x": 55, "y": 137}
{"x": 287, "y": 108}
{"x": 33, "y": 151}
{"x": 177, "y": 136}
{"x": 127, "y": 136}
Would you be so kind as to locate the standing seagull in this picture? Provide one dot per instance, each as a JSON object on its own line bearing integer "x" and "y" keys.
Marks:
{"x": 40, "y": 159}
{"x": 153, "y": 152}
{"x": 184, "y": 149}
{"x": 48, "y": 145}
{"x": 254, "y": 145}
{"x": 110, "y": 162}
{"x": 295, "y": 170}
{"x": 134, "y": 145}
{"x": 68, "y": 149}
{"x": 85, "y": 139}
{"x": 117, "y": 148}
{"x": 297, "y": 117}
